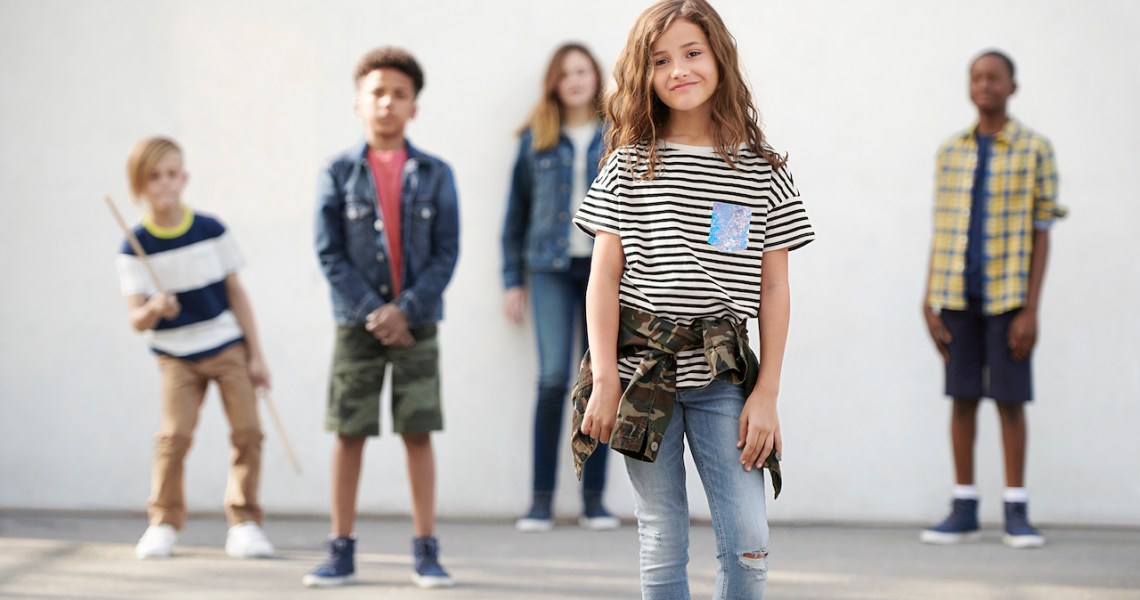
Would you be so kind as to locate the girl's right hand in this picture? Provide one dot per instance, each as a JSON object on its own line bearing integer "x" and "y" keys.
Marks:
{"x": 514, "y": 302}
{"x": 601, "y": 410}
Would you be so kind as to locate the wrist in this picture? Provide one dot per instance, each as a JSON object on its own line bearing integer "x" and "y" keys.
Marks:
{"x": 763, "y": 393}
{"x": 405, "y": 303}
{"x": 605, "y": 375}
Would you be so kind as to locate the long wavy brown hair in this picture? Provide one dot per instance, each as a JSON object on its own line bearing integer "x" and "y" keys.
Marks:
{"x": 637, "y": 115}
{"x": 545, "y": 121}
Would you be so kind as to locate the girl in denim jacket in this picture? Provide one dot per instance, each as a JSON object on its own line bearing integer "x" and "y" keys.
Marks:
{"x": 559, "y": 151}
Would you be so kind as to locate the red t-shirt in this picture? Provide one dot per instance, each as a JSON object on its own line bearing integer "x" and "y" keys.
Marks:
{"x": 387, "y": 175}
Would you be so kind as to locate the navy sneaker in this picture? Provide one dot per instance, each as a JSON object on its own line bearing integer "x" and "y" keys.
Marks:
{"x": 595, "y": 517}
{"x": 429, "y": 573}
{"x": 539, "y": 519}
{"x": 340, "y": 567}
{"x": 1018, "y": 532}
{"x": 960, "y": 526}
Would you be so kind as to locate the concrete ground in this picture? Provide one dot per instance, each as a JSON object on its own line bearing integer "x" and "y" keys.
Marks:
{"x": 62, "y": 555}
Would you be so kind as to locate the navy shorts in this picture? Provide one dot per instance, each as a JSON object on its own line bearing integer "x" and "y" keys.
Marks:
{"x": 981, "y": 364}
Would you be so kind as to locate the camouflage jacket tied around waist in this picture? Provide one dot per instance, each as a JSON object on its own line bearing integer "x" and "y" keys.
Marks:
{"x": 646, "y": 405}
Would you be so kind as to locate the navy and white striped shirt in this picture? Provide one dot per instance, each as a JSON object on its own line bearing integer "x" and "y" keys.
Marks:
{"x": 694, "y": 236}
{"x": 191, "y": 260}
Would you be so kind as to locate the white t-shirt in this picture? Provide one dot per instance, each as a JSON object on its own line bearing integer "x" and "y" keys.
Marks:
{"x": 580, "y": 137}
{"x": 694, "y": 235}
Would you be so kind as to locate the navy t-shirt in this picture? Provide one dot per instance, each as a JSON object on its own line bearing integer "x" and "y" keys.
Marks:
{"x": 975, "y": 239}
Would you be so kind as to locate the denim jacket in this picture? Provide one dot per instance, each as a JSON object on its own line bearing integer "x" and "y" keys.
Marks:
{"x": 536, "y": 230}
{"x": 352, "y": 245}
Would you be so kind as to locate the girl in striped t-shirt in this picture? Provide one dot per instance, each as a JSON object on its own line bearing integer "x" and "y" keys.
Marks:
{"x": 689, "y": 205}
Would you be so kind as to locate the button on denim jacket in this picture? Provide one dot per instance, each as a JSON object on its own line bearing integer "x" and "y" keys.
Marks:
{"x": 351, "y": 239}
{"x": 536, "y": 230}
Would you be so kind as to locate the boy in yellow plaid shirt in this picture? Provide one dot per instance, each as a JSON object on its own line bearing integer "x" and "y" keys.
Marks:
{"x": 995, "y": 200}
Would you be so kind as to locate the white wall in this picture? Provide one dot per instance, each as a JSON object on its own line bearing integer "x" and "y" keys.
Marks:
{"x": 259, "y": 93}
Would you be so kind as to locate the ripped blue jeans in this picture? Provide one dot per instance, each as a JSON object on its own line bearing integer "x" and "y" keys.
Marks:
{"x": 708, "y": 418}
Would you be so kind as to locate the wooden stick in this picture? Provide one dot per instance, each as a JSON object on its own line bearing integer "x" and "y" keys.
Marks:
{"x": 264, "y": 393}
{"x": 134, "y": 242}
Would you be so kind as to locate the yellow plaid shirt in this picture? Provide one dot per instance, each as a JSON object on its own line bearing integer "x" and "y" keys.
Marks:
{"x": 1021, "y": 196}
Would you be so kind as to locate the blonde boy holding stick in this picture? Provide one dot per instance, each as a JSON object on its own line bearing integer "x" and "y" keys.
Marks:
{"x": 185, "y": 296}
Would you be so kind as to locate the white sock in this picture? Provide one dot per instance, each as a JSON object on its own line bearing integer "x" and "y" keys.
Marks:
{"x": 1015, "y": 495}
{"x": 965, "y": 492}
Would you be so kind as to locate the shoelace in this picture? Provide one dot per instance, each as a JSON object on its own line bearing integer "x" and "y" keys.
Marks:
{"x": 960, "y": 509}
{"x": 426, "y": 552}
{"x": 1019, "y": 515}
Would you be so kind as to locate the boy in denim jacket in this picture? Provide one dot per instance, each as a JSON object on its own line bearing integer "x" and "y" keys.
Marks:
{"x": 387, "y": 235}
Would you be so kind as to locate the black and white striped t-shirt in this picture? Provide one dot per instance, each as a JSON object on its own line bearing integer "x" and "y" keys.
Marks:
{"x": 694, "y": 235}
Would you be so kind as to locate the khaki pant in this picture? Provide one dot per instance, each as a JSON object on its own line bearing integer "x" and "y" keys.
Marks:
{"x": 183, "y": 391}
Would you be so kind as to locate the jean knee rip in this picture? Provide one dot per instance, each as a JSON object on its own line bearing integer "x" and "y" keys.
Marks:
{"x": 756, "y": 560}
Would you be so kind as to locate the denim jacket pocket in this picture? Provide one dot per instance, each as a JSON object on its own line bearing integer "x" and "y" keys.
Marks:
{"x": 421, "y": 219}
{"x": 361, "y": 233}
{"x": 356, "y": 210}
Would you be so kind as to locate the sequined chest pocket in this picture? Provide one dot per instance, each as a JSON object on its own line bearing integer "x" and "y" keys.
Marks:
{"x": 728, "y": 229}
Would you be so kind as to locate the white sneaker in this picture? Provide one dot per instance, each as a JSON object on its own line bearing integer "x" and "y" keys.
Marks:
{"x": 156, "y": 542}
{"x": 247, "y": 540}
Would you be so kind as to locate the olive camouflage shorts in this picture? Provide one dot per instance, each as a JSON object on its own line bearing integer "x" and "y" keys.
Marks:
{"x": 359, "y": 363}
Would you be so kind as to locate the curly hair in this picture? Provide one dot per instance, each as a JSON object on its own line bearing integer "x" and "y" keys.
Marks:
{"x": 637, "y": 115}
{"x": 389, "y": 57}
{"x": 1002, "y": 56}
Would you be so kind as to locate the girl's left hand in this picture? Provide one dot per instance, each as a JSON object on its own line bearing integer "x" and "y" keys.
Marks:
{"x": 759, "y": 433}
{"x": 514, "y": 304}
{"x": 601, "y": 409}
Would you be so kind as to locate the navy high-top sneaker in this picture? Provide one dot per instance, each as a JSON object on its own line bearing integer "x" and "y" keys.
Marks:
{"x": 540, "y": 517}
{"x": 340, "y": 566}
{"x": 1018, "y": 532}
{"x": 429, "y": 573}
{"x": 960, "y": 526}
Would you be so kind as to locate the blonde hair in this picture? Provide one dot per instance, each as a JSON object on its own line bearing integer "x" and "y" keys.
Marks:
{"x": 545, "y": 121}
{"x": 143, "y": 159}
{"x": 637, "y": 115}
